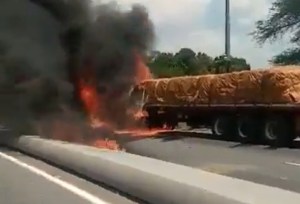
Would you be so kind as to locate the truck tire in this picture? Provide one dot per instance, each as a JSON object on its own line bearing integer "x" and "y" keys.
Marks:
{"x": 223, "y": 127}
{"x": 248, "y": 129}
{"x": 279, "y": 131}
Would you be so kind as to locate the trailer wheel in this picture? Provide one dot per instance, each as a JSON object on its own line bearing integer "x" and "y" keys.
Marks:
{"x": 223, "y": 127}
{"x": 218, "y": 127}
{"x": 279, "y": 131}
{"x": 247, "y": 129}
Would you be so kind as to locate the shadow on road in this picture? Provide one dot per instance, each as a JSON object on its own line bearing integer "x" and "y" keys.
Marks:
{"x": 163, "y": 136}
{"x": 179, "y": 135}
{"x": 241, "y": 145}
{"x": 168, "y": 136}
{"x": 294, "y": 145}
{"x": 4, "y": 149}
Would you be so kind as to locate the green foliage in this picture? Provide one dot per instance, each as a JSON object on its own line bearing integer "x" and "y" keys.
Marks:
{"x": 290, "y": 56}
{"x": 186, "y": 58}
{"x": 204, "y": 63}
{"x": 239, "y": 64}
{"x": 187, "y": 62}
{"x": 284, "y": 18}
{"x": 223, "y": 64}
{"x": 164, "y": 65}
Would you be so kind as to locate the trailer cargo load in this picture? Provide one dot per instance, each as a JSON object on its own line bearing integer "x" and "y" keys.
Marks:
{"x": 281, "y": 85}
{"x": 248, "y": 90}
{"x": 258, "y": 105}
{"x": 179, "y": 90}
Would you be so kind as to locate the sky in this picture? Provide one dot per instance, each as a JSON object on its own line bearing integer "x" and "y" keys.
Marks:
{"x": 199, "y": 25}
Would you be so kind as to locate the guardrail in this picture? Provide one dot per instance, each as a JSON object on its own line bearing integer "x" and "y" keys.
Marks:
{"x": 149, "y": 179}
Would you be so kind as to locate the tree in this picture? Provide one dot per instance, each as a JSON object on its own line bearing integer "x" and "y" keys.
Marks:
{"x": 187, "y": 62}
{"x": 164, "y": 65}
{"x": 284, "y": 18}
{"x": 239, "y": 64}
{"x": 222, "y": 64}
{"x": 186, "y": 58}
{"x": 204, "y": 63}
{"x": 290, "y": 56}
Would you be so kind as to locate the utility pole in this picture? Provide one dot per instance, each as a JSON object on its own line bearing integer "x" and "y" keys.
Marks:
{"x": 227, "y": 35}
{"x": 227, "y": 28}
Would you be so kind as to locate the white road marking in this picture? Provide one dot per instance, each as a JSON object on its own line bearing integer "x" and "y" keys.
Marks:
{"x": 292, "y": 163}
{"x": 75, "y": 190}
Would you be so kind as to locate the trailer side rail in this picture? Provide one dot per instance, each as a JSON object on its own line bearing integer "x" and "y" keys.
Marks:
{"x": 229, "y": 106}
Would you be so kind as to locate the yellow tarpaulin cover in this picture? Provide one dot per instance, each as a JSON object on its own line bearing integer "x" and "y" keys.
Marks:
{"x": 275, "y": 85}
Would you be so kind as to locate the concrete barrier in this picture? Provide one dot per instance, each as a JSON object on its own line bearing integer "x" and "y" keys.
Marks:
{"x": 152, "y": 180}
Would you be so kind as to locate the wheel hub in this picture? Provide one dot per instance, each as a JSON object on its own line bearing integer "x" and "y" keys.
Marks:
{"x": 270, "y": 130}
{"x": 218, "y": 127}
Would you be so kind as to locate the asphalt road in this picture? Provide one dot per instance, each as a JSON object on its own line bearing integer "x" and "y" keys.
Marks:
{"x": 24, "y": 180}
{"x": 257, "y": 163}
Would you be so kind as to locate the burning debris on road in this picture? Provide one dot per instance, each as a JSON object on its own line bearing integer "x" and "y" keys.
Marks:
{"x": 61, "y": 59}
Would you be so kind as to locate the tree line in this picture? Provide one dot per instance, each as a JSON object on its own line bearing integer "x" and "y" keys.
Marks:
{"x": 187, "y": 62}
{"x": 283, "y": 20}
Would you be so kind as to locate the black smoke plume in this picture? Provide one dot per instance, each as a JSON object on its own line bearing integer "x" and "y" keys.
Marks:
{"x": 45, "y": 46}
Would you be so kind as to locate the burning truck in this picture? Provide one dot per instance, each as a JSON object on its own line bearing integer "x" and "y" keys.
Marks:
{"x": 250, "y": 106}
{"x": 65, "y": 63}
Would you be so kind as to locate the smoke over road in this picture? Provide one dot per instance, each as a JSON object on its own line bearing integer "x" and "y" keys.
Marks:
{"x": 51, "y": 50}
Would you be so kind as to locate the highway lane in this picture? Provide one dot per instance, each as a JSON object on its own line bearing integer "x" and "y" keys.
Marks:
{"x": 257, "y": 163}
{"x": 24, "y": 180}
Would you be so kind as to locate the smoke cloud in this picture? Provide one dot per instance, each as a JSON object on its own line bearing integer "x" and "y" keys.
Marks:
{"x": 46, "y": 45}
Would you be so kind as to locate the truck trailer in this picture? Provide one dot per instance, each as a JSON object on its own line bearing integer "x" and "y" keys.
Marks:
{"x": 257, "y": 106}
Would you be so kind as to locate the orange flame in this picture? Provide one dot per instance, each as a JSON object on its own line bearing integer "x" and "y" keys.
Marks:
{"x": 141, "y": 132}
{"x": 140, "y": 114}
{"x": 142, "y": 70}
{"x": 106, "y": 144}
{"x": 90, "y": 98}
{"x": 92, "y": 103}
